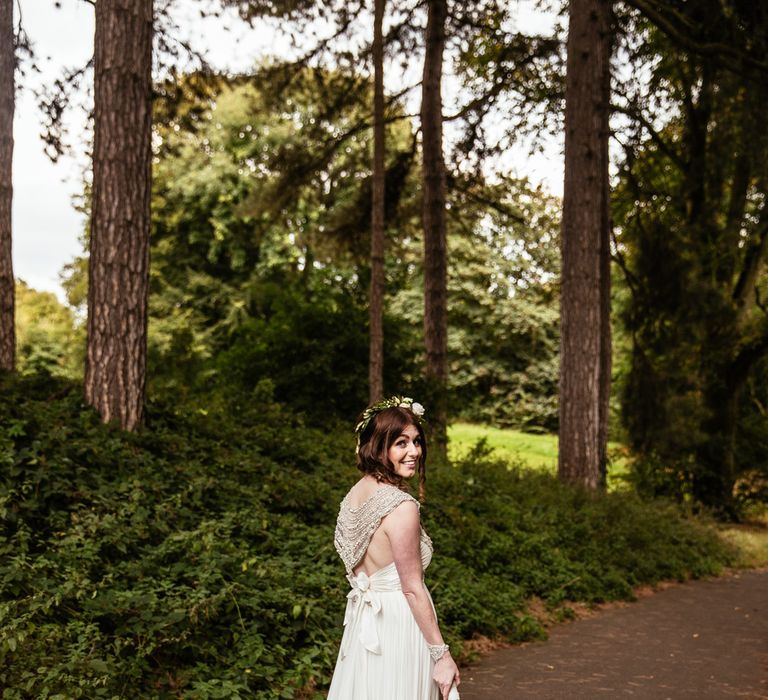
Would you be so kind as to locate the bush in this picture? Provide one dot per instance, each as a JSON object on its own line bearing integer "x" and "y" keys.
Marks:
{"x": 311, "y": 344}
{"x": 195, "y": 559}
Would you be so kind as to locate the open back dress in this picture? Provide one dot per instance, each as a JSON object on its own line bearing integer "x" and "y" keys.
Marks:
{"x": 383, "y": 655}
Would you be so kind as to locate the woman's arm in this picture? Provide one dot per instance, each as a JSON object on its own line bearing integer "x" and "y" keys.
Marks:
{"x": 403, "y": 529}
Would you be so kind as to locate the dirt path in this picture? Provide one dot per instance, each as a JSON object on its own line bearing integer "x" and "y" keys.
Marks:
{"x": 703, "y": 639}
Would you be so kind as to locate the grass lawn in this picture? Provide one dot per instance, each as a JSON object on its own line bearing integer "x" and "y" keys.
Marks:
{"x": 528, "y": 449}
{"x": 532, "y": 450}
{"x": 750, "y": 539}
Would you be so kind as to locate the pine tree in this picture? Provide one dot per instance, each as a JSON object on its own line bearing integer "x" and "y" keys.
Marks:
{"x": 7, "y": 101}
{"x": 119, "y": 242}
{"x": 376, "y": 301}
{"x": 584, "y": 307}
{"x": 435, "y": 247}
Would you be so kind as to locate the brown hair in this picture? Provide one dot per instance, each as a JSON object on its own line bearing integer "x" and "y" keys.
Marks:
{"x": 379, "y": 435}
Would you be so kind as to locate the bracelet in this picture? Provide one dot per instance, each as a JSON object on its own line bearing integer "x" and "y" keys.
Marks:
{"x": 438, "y": 651}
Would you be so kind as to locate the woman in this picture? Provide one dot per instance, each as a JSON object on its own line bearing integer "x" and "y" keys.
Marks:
{"x": 392, "y": 648}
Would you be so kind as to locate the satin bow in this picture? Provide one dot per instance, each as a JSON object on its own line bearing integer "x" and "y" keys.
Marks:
{"x": 363, "y": 603}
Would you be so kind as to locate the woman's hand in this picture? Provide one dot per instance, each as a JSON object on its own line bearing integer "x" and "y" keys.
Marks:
{"x": 445, "y": 673}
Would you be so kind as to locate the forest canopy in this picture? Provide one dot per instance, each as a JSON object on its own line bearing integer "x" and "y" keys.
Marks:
{"x": 261, "y": 215}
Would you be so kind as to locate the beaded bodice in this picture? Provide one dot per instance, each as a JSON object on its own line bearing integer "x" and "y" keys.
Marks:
{"x": 355, "y": 526}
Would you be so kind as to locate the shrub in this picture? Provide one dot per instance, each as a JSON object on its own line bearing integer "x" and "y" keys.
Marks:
{"x": 195, "y": 558}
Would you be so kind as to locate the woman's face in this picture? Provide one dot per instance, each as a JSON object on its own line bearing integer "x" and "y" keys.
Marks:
{"x": 405, "y": 452}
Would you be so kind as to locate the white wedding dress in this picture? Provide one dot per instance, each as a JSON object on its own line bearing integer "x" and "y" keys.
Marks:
{"x": 383, "y": 654}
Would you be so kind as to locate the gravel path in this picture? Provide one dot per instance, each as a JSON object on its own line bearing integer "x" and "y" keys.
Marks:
{"x": 702, "y": 639}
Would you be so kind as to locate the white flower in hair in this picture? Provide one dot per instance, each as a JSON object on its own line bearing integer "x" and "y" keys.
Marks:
{"x": 417, "y": 409}
{"x": 407, "y": 402}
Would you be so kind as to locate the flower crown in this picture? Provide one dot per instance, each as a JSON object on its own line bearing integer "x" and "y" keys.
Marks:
{"x": 393, "y": 402}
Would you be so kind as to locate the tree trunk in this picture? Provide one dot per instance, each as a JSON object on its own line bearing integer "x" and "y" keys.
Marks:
{"x": 119, "y": 244}
{"x": 435, "y": 251}
{"x": 605, "y": 255}
{"x": 715, "y": 469}
{"x": 376, "y": 308}
{"x": 605, "y": 344}
{"x": 7, "y": 101}
{"x": 584, "y": 304}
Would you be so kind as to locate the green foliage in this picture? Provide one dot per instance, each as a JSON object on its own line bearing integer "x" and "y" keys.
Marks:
{"x": 260, "y": 245}
{"x": 505, "y": 362}
{"x": 244, "y": 190}
{"x": 261, "y": 218}
{"x": 180, "y": 560}
{"x": 503, "y": 320}
{"x": 561, "y": 543}
{"x": 195, "y": 559}
{"x": 691, "y": 212}
{"x": 47, "y": 336}
{"x": 313, "y": 350}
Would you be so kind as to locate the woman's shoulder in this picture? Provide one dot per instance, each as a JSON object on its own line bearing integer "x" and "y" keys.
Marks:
{"x": 381, "y": 496}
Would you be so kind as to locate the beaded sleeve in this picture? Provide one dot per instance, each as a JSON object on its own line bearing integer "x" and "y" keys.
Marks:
{"x": 355, "y": 526}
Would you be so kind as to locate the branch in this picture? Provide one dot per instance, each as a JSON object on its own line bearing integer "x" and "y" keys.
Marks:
{"x": 502, "y": 80}
{"x": 753, "y": 258}
{"x": 22, "y": 45}
{"x": 664, "y": 147}
{"x": 53, "y": 101}
{"x": 713, "y": 49}
{"x": 748, "y": 356}
{"x": 499, "y": 207}
{"x": 759, "y": 303}
{"x": 291, "y": 69}
{"x": 618, "y": 257}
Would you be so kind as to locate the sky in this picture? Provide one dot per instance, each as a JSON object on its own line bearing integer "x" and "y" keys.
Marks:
{"x": 47, "y": 227}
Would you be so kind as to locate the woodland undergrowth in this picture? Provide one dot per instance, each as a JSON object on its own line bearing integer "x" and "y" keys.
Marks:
{"x": 195, "y": 559}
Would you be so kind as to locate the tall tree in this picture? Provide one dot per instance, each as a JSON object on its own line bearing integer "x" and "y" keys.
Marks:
{"x": 692, "y": 203}
{"x": 606, "y": 355}
{"x": 584, "y": 325}
{"x": 433, "y": 213}
{"x": 376, "y": 301}
{"x": 7, "y": 101}
{"x": 119, "y": 243}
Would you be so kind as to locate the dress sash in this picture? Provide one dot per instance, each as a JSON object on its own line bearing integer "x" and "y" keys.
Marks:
{"x": 364, "y": 604}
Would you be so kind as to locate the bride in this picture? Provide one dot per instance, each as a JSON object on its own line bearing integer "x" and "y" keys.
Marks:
{"x": 391, "y": 648}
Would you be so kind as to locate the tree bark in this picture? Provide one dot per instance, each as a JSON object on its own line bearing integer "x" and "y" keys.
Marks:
{"x": 606, "y": 355}
{"x": 119, "y": 244}
{"x": 715, "y": 472}
{"x": 376, "y": 308}
{"x": 435, "y": 248}
{"x": 585, "y": 301}
{"x": 7, "y": 103}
